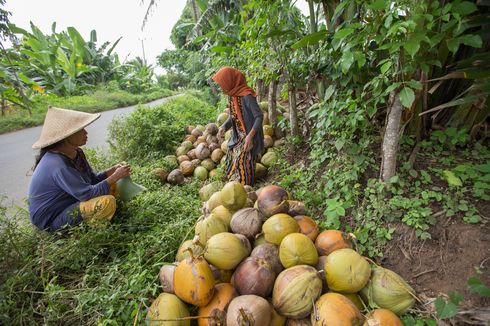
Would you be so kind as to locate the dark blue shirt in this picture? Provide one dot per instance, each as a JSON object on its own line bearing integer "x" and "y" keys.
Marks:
{"x": 59, "y": 182}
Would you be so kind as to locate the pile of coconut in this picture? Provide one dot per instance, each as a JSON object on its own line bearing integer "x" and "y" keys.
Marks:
{"x": 257, "y": 259}
{"x": 202, "y": 152}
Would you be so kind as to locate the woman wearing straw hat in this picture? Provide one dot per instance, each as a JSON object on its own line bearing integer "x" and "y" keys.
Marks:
{"x": 64, "y": 189}
{"x": 247, "y": 138}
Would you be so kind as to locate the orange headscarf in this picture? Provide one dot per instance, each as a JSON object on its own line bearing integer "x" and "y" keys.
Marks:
{"x": 232, "y": 82}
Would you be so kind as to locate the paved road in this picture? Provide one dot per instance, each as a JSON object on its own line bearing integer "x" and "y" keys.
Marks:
{"x": 17, "y": 156}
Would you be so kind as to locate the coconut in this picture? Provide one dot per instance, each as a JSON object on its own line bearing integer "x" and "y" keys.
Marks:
{"x": 223, "y": 294}
{"x": 260, "y": 239}
{"x": 254, "y": 276}
{"x": 224, "y": 146}
{"x": 270, "y": 253}
{"x": 268, "y": 159}
{"x": 160, "y": 174}
{"x": 166, "y": 276}
{"x": 356, "y": 300}
{"x": 278, "y": 226}
{"x": 201, "y": 173}
{"x": 335, "y": 309}
{"x": 222, "y": 117}
{"x": 245, "y": 243}
{"x": 181, "y": 151}
{"x": 307, "y": 226}
{"x": 186, "y": 144}
{"x": 213, "y": 202}
{"x": 202, "y": 151}
{"x": 248, "y": 310}
{"x": 192, "y": 154}
{"x": 196, "y": 162}
{"x": 208, "y": 226}
{"x": 210, "y": 139}
{"x": 388, "y": 290}
{"x": 216, "y": 155}
{"x": 233, "y": 196}
{"x": 319, "y": 267}
{"x": 175, "y": 177}
{"x": 223, "y": 213}
{"x": 194, "y": 281}
{"x": 225, "y": 250}
{"x": 279, "y": 142}
{"x": 196, "y": 132}
{"x": 206, "y": 191}
{"x": 252, "y": 196}
{"x": 201, "y": 127}
{"x": 168, "y": 306}
{"x": 214, "y": 146}
{"x": 296, "y": 207}
{"x": 294, "y": 291}
{"x": 186, "y": 167}
{"x": 272, "y": 200}
{"x": 346, "y": 271}
{"x": 299, "y": 322}
{"x": 208, "y": 164}
{"x": 382, "y": 317}
{"x": 171, "y": 160}
{"x": 228, "y": 135}
{"x": 247, "y": 221}
{"x": 268, "y": 141}
{"x": 191, "y": 138}
{"x": 268, "y": 130}
{"x": 260, "y": 171}
{"x": 182, "y": 158}
{"x": 189, "y": 129}
{"x": 195, "y": 248}
{"x": 330, "y": 240}
{"x": 212, "y": 128}
{"x": 297, "y": 249}
{"x": 276, "y": 319}
{"x": 221, "y": 275}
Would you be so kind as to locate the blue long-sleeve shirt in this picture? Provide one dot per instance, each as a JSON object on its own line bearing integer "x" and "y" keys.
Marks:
{"x": 57, "y": 184}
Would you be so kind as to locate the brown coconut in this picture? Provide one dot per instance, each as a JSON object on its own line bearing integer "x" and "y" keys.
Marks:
{"x": 248, "y": 310}
{"x": 202, "y": 151}
{"x": 212, "y": 128}
{"x": 175, "y": 177}
{"x": 296, "y": 207}
{"x": 190, "y": 138}
{"x": 192, "y": 154}
{"x": 330, "y": 240}
{"x": 216, "y": 155}
{"x": 196, "y": 132}
{"x": 307, "y": 226}
{"x": 166, "y": 276}
{"x": 210, "y": 139}
{"x": 187, "y": 167}
{"x": 270, "y": 253}
{"x": 213, "y": 147}
{"x": 254, "y": 276}
{"x": 182, "y": 158}
{"x": 247, "y": 221}
{"x": 268, "y": 141}
{"x": 272, "y": 200}
{"x": 188, "y": 129}
{"x": 160, "y": 174}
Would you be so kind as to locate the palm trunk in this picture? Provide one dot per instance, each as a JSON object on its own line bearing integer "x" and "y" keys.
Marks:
{"x": 259, "y": 90}
{"x": 293, "y": 111}
{"x": 272, "y": 108}
{"x": 391, "y": 137}
{"x": 195, "y": 10}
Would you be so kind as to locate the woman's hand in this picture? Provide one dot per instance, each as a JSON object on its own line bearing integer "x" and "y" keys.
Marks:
{"x": 121, "y": 171}
{"x": 248, "y": 143}
{"x": 111, "y": 170}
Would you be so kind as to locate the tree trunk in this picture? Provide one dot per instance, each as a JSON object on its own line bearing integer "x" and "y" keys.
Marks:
{"x": 259, "y": 90}
{"x": 293, "y": 112}
{"x": 313, "y": 25}
{"x": 391, "y": 137}
{"x": 196, "y": 15}
{"x": 272, "y": 104}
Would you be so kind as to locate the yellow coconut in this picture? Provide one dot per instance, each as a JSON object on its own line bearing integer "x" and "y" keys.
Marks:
{"x": 268, "y": 130}
{"x": 334, "y": 309}
{"x": 225, "y": 251}
{"x": 233, "y": 196}
{"x": 294, "y": 291}
{"x": 223, "y": 213}
{"x": 382, "y": 317}
{"x": 217, "y": 307}
{"x": 278, "y": 226}
{"x": 170, "y": 308}
{"x": 194, "y": 281}
{"x": 297, "y": 249}
{"x": 346, "y": 271}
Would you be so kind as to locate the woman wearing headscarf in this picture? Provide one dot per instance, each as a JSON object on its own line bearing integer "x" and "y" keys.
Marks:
{"x": 245, "y": 120}
{"x": 64, "y": 189}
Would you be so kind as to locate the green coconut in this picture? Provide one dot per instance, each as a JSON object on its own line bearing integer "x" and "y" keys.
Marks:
{"x": 295, "y": 290}
{"x": 168, "y": 306}
{"x": 233, "y": 196}
{"x": 187, "y": 144}
{"x": 259, "y": 239}
{"x": 228, "y": 135}
{"x": 208, "y": 164}
{"x": 268, "y": 159}
{"x": 184, "y": 253}
{"x": 201, "y": 128}
{"x": 297, "y": 249}
{"x": 206, "y": 191}
{"x": 225, "y": 250}
{"x": 160, "y": 173}
{"x": 346, "y": 271}
{"x": 278, "y": 226}
{"x": 260, "y": 171}
{"x": 222, "y": 117}
{"x": 224, "y": 146}
{"x": 201, "y": 173}
{"x": 181, "y": 151}
{"x": 208, "y": 226}
{"x": 264, "y": 106}
{"x": 171, "y": 161}
{"x": 268, "y": 130}
{"x": 213, "y": 201}
{"x": 223, "y": 213}
{"x": 386, "y": 289}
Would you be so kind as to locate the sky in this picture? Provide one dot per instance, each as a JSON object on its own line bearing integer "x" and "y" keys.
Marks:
{"x": 111, "y": 19}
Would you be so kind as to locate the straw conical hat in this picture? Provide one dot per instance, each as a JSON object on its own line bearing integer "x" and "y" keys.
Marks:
{"x": 61, "y": 123}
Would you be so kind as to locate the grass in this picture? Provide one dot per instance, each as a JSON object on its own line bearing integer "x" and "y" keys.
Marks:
{"x": 101, "y": 100}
